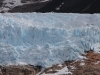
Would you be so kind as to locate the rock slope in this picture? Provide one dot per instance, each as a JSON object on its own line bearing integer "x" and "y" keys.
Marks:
{"x": 65, "y": 6}
{"x": 19, "y": 70}
{"x": 88, "y": 66}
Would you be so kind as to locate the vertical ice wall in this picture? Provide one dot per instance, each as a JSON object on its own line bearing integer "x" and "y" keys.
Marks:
{"x": 46, "y": 39}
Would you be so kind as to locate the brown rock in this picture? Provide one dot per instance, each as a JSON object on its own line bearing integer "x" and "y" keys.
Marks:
{"x": 19, "y": 70}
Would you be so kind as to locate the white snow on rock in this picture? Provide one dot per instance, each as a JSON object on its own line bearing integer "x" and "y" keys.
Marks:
{"x": 9, "y": 4}
{"x": 60, "y": 72}
{"x": 47, "y": 39}
{"x": 97, "y": 62}
{"x": 82, "y": 64}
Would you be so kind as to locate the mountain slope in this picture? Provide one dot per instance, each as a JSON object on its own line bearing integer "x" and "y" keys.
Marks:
{"x": 65, "y": 6}
{"x": 7, "y": 5}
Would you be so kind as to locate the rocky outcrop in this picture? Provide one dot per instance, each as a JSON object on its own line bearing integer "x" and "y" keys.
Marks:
{"x": 28, "y": 7}
{"x": 65, "y": 6}
{"x": 1, "y": 3}
{"x": 81, "y": 6}
{"x": 19, "y": 70}
{"x": 88, "y": 66}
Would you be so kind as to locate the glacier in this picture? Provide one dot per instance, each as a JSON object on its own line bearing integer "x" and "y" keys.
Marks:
{"x": 47, "y": 39}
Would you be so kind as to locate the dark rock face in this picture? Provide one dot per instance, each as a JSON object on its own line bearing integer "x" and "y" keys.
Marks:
{"x": 28, "y": 7}
{"x": 25, "y": 1}
{"x": 51, "y": 6}
{"x": 19, "y": 70}
{"x": 81, "y": 6}
{"x": 73, "y": 6}
{"x": 64, "y": 6}
{"x": 1, "y": 3}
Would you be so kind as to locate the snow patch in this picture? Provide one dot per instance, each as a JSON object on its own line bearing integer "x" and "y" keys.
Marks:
{"x": 97, "y": 62}
{"x": 60, "y": 65}
{"x": 82, "y": 64}
{"x": 9, "y": 4}
{"x": 60, "y": 72}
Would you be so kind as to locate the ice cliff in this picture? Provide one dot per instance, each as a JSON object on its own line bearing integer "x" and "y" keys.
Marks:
{"x": 46, "y": 39}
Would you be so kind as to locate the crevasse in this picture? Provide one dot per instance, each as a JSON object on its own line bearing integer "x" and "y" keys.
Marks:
{"x": 46, "y": 39}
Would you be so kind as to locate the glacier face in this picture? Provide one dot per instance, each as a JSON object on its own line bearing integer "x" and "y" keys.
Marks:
{"x": 46, "y": 39}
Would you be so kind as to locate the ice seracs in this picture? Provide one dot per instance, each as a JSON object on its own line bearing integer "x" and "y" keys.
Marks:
{"x": 46, "y": 39}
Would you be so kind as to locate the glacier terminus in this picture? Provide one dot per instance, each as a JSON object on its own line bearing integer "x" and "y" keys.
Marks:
{"x": 47, "y": 39}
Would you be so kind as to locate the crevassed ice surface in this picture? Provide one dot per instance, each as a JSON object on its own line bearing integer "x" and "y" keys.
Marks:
{"x": 46, "y": 39}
